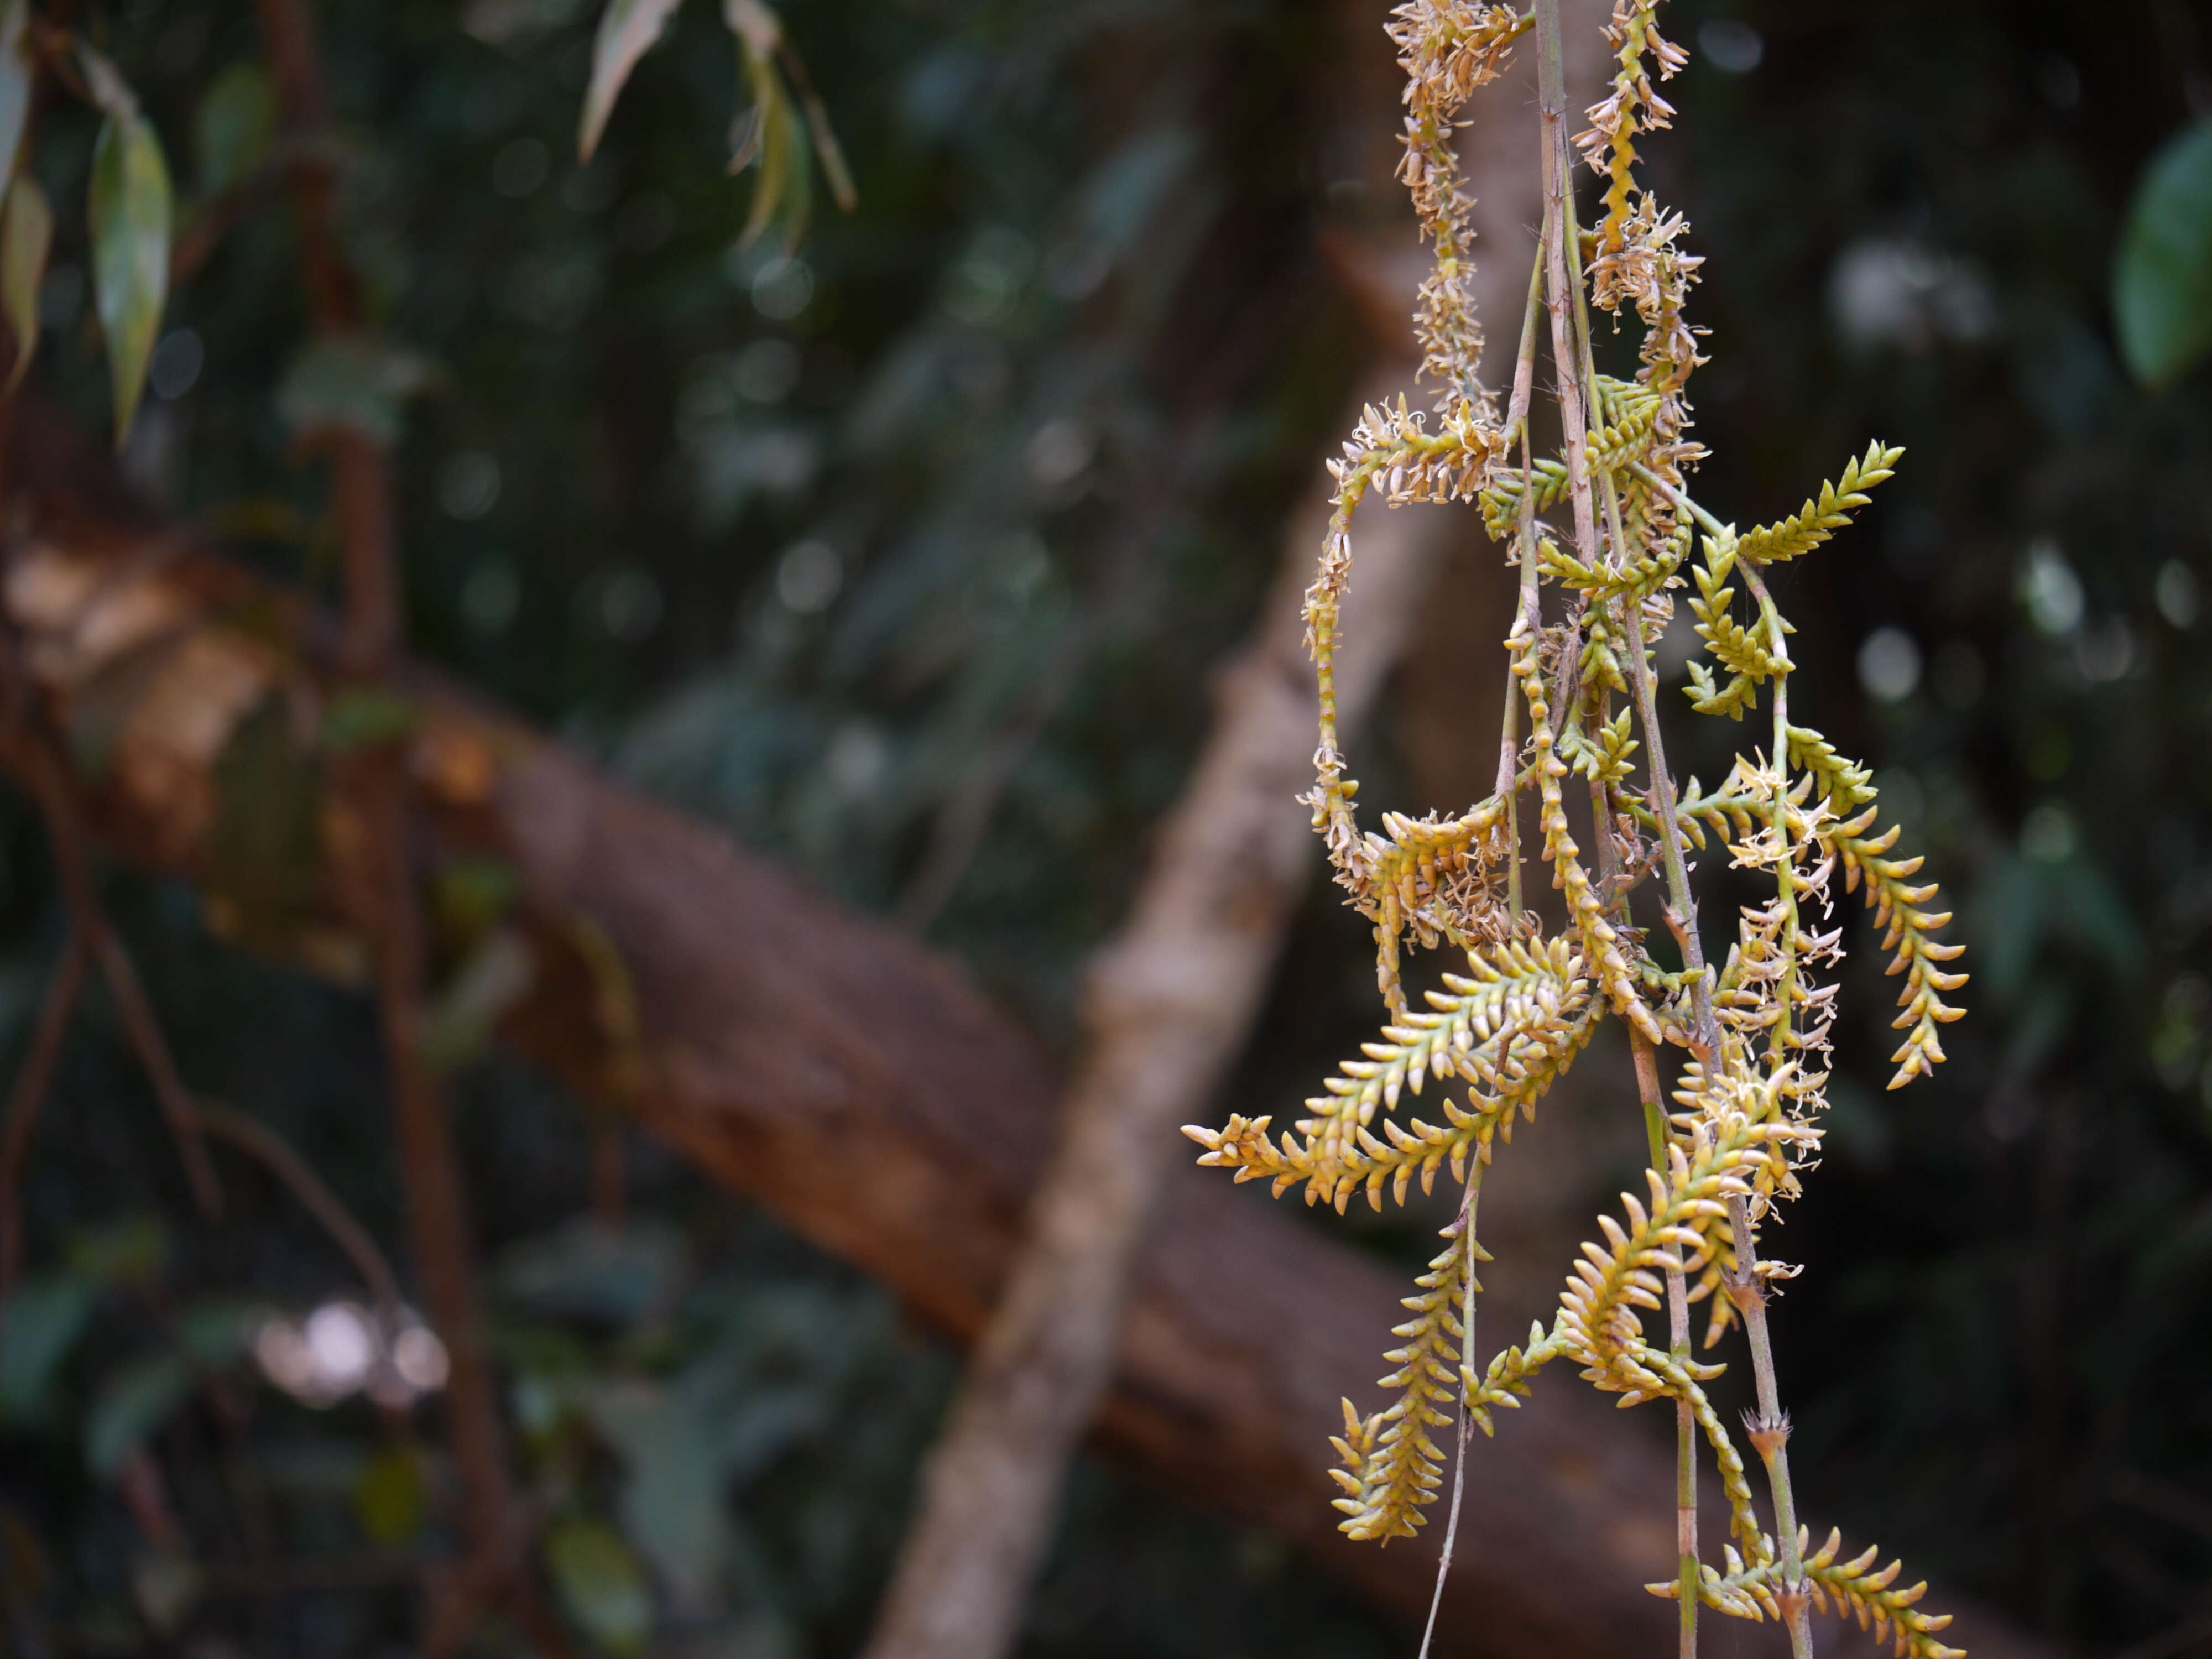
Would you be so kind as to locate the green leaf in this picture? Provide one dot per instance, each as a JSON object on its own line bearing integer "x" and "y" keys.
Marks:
{"x": 2162, "y": 277}
{"x": 671, "y": 1504}
{"x": 132, "y": 1251}
{"x": 760, "y": 34}
{"x": 472, "y": 895}
{"x": 234, "y": 128}
{"x": 18, "y": 74}
{"x": 130, "y": 209}
{"x": 770, "y": 134}
{"x": 389, "y": 1500}
{"x": 458, "y": 1025}
{"x": 600, "y": 1584}
{"x": 584, "y": 1269}
{"x": 26, "y": 236}
{"x": 44, "y": 1317}
{"x": 217, "y": 1332}
{"x": 166, "y": 1588}
{"x": 628, "y": 29}
{"x": 351, "y": 381}
{"x": 129, "y": 1409}
{"x": 364, "y": 718}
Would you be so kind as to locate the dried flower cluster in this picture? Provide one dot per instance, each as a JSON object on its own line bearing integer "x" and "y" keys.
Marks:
{"x": 1743, "y": 1123}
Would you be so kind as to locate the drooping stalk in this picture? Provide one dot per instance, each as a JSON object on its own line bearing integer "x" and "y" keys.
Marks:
{"x": 1678, "y": 1349}
{"x": 1577, "y": 377}
{"x": 1508, "y": 789}
{"x": 1513, "y": 1028}
{"x": 1552, "y": 98}
{"x": 1770, "y": 1436}
{"x": 1470, "y": 1380}
{"x": 1527, "y": 612}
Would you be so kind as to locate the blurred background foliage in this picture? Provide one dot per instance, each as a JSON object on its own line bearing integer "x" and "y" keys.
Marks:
{"x": 903, "y": 551}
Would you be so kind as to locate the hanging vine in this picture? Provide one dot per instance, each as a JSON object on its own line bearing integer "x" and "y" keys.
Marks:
{"x": 1751, "y": 1030}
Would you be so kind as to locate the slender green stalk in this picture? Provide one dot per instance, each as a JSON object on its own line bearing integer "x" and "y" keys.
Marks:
{"x": 1678, "y": 1348}
{"x": 1551, "y": 98}
{"x": 1527, "y": 612}
{"x": 1771, "y": 1435}
{"x": 1679, "y": 896}
{"x": 1470, "y": 1380}
{"x": 1580, "y": 370}
{"x": 1530, "y": 614}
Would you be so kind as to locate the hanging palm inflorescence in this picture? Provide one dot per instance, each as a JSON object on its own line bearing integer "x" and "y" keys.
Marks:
{"x": 1754, "y": 1029}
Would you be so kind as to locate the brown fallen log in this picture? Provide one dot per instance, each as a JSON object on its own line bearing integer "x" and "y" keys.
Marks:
{"x": 849, "y": 1080}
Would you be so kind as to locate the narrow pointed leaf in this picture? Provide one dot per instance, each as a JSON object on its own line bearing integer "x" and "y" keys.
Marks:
{"x": 601, "y": 1584}
{"x": 628, "y": 29}
{"x": 26, "y": 236}
{"x": 16, "y": 74}
{"x": 760, "y": 33}
{"x": 782, "y": 182}
{"x": 234, "y": 127}
{"x": 129, "y": 1409}
{"x": 130, "y": 212}
{"x": 2162, "y": 277}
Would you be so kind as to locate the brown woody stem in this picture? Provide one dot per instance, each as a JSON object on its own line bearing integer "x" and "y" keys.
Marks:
{"x": 53, "y": 786}
{"x": 36, "y": 1076}
{"x": 376, "y": 786}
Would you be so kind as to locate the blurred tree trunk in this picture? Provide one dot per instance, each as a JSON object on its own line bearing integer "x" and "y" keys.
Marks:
{"x": 1167, "y": 1008}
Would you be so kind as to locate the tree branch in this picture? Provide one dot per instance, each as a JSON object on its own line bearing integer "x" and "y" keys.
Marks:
{"x": 376, "y": 788}
{"x": 1168, "y": 1005}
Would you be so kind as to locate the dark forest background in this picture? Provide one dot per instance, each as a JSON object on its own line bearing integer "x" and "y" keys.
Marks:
{"x": 979, "y": 482}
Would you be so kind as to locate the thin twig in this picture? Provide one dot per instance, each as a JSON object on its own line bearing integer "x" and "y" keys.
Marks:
{"x": 1526, "y": 615}
{"x": 53, "y": 788}
{"x": 199, "y": 240}
{"x": 1466, "y": 1374}
{"x": 25, "y": 1101}
{"x": 1580, "y": 370}
{"x": 1771, "y": 1434}
{"x": 376, "y": 786}
{"x": 1527, "y": 612}
{"x": 273, "y": 1153}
